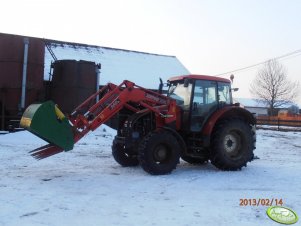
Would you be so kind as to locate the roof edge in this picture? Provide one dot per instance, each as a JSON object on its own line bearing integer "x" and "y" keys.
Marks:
{"x": 46, "y": 40}
{"x": 51, "y": 41}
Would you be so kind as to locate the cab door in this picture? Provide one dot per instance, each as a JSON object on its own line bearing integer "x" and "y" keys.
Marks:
{"x": 204, "y": 103}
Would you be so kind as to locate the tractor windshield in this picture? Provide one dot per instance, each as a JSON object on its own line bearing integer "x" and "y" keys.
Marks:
{"x": 180, "y": 93}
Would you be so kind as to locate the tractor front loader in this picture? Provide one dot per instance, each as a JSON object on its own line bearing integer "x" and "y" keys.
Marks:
{"x": 196, "y": 121}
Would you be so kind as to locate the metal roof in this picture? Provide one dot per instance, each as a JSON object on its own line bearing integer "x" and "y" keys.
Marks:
{"x": 117, "y": 65}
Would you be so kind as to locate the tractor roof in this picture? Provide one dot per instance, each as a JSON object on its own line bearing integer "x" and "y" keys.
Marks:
{"x": 199, "y": 77}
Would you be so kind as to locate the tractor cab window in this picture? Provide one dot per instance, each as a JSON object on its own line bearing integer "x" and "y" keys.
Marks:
{"x": 181, "y": 94}
{"x": 224, "y": 95}
{"x": 204, "y": 102}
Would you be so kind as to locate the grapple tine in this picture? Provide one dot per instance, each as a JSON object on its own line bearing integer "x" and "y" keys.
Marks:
{"x": 40, "y": 148}
{"x": 46, "y": 151}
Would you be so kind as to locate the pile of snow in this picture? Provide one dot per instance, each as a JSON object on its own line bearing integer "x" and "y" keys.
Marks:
{"x": 87, "y": 187}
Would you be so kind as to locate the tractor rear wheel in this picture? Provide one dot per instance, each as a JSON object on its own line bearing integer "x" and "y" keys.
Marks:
{"x": 232, "y": 145}
{"x": 123, "y": 156}
{"x": 159, "y": 153}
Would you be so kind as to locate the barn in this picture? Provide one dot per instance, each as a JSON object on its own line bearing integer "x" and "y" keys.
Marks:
{"x": 37, "y": 69}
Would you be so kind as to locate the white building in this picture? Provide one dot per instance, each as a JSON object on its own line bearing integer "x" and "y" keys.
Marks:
{"x": 255, "y": 107}
{"x": 260, "y": 108}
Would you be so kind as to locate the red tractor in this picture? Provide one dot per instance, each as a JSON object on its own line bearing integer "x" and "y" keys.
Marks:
{"x": 196, "y": 121}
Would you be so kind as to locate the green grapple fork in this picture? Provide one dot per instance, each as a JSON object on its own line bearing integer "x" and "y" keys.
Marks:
{"x": 50, "y": 124}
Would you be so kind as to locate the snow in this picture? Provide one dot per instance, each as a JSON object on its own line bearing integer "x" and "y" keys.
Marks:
{"x": 280, "y": 128}
{"x": 144, "y": 69}
{"x": 87, "y": 187}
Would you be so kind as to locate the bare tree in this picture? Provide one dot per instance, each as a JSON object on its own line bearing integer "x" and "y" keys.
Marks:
{"x": 272, "y": 87}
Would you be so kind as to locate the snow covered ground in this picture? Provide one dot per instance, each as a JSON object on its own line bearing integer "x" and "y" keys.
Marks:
{"x": 87, "y": 187}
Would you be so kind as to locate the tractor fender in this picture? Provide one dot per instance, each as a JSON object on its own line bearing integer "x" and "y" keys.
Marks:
{"x": 178, "y": 137}
{"x": 227, "y": 112}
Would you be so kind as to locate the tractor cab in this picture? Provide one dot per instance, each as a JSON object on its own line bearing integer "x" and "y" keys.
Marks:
{"x": 199, "y": 96}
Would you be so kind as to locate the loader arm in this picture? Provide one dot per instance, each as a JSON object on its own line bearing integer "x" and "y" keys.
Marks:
{"x": 93, "y": 112}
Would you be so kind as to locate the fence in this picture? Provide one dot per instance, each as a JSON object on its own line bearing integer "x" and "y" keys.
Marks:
{"x": 281, "y": 122}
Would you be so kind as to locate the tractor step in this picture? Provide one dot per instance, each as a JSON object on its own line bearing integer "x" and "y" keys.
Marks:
{"x": 50, "y": 124}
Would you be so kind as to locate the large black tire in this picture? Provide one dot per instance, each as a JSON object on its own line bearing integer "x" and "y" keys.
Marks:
{"x": 232, "y": 145}
{"x": 159, "y": 153}
{"x": 122, "y": 156}
{"x": 194, "y": 160}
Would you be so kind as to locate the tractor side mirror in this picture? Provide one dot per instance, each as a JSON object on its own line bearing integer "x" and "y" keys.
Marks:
{"x": 186, "y": 82}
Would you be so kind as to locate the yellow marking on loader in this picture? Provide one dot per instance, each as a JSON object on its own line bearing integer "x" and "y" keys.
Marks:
{"x": 58, "y": 113}
{"x": 25, "y": 122}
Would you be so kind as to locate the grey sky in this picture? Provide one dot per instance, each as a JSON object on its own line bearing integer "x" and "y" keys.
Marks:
{"x": 208, "y": 36}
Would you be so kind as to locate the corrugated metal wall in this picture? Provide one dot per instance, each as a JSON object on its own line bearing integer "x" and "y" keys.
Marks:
{"x": 11, "y": 70}
{"x": 72, "y": 81}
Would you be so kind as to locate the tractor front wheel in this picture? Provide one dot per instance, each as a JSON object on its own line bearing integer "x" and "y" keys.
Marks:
{"x": 159, "y": 153}
{"x": 232, "y": 145}
{"x": 123, "y": 156}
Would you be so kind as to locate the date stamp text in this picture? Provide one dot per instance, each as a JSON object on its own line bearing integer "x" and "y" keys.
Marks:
{"x": 261, "y": 202}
